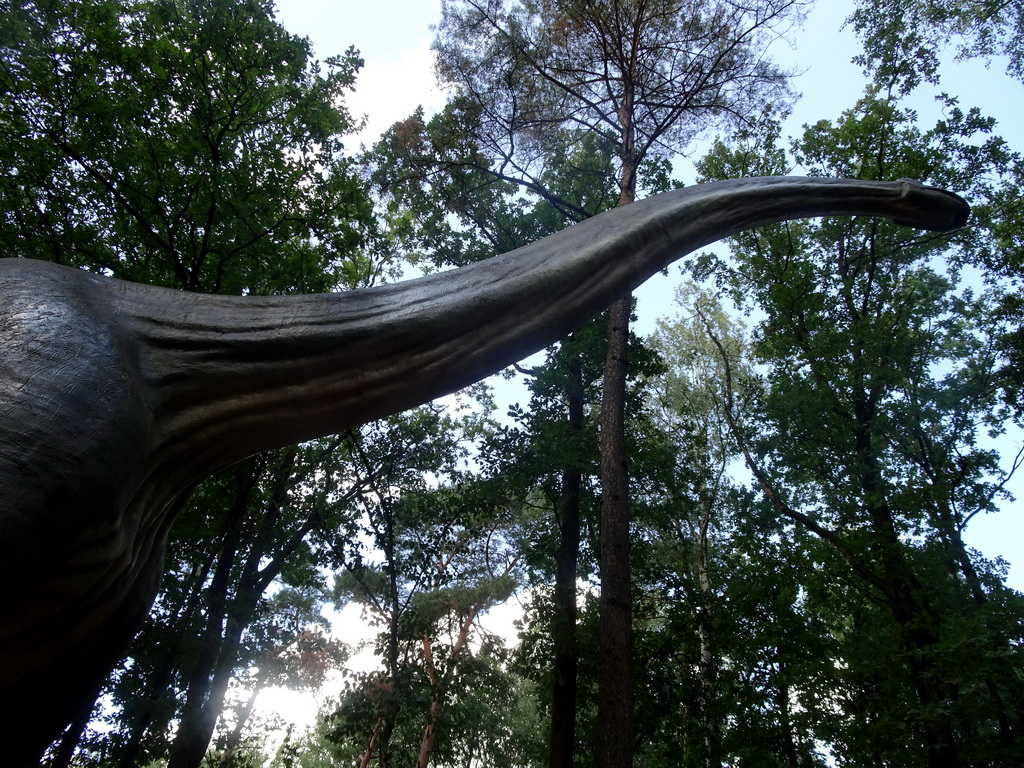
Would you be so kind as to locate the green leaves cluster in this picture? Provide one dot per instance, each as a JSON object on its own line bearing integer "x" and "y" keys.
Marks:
{"x": 188, "y": 144}
{"x": 878, "y": 399}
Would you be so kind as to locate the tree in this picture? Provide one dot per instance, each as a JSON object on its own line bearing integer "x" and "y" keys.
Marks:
{"x": 198, "y": 146}
{"x": 878, "y": 389}
{"x": 300, "y": 656}
{"x": 904, "y": 41}
{"x": 556, "y": 460}
{"x": 440, "y": 554}
{"x": 269, "y": 520}
{"x": 369, "y": 715}
{"x": 245, "y": 535}
{"x": 549, "y": 453}
{"x": 689, "y": 407}
{"x": 645, "y": 77}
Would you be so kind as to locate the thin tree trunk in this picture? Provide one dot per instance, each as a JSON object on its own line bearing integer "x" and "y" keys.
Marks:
{"x": 192, "y": 739}
{"x": 615, "y": 681}
{"x": 441, "y": 680}
{"x": 903, "y": 592}
{"x": 383, "y": 528}
{"x": 708, "y": 668}
{"x": 72, "y": 735}
{"x": 430, "y": 735}
{"x": 209, "y": 682}
{"x": 371, "y": 747}
{"x": 392, "y": 705}
{"x": 562, "y": 743}
{"x": 615, "y": 648}
{"x": 160, "y": 680}
{"x": 787, "y": 739}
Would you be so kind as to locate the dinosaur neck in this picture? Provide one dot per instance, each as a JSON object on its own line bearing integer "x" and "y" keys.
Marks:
{"x": 231, "y": 376}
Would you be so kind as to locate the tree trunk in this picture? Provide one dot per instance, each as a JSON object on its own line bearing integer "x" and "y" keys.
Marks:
{"x": 615, "y": 649}
{"x": 562, "y": 742}
{"x": 227, "y": 622}
{"x": 371, "y": 747}
{"x": 207, "y": 689}
{"x": 708, "y": 668}
{"x": 379, "y": 743}
{"x": 161, "y": 679}
{"x": 392, "y": 705}
{"x": 193, "y": 736}
{"x": 439, "y": 680}
{"x": 787, "y": 739}
{"x": 615, "y": 681}
{"x": 430, "y": 735}
{"x": 72, "y": 735}
{"x": 904, "y": 594}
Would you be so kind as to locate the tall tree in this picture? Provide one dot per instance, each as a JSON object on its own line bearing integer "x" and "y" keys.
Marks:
{"x": 879, "y": 385}
{"x": 300, "y": 656}
{"x": 646, "y": 76}
{"x": 689, "y": 408}
{"x": 271, "y": 516}
{"x": 907, "y": 42}
{"x": 428, "y": 445}
{"x": 445, "y": 553}
{"x": 194, "y": 145}
{"x": 245, "y": 531}
{"x": 550, "y": 450}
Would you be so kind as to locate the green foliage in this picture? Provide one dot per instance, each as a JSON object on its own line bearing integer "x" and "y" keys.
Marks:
{"x": 442, "y": 548}
{"x": 903, "y": 39}
{"x": 242, "y": 600}
{"x": 195, "y": 145}
{"x": 450, "y": 205}
{"x": 870, "y": 435}
{"x": 904, "y": 43}
{"x": 188, "y": 144}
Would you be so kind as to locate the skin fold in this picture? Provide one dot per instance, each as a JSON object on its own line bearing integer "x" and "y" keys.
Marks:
{"x": 117, "y": 399}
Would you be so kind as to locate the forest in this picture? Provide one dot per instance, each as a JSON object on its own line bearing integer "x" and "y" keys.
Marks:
{"x": 739, "y": 540}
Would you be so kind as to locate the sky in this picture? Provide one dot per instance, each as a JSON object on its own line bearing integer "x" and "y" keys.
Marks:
{"x": 394, "y": 37}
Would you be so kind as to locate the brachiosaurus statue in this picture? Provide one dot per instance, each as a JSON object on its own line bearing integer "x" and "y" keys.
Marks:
{"x": 117, "y": 399}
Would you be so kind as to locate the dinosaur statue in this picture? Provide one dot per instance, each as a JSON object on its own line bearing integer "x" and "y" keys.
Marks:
{"x": 117, "y": 399}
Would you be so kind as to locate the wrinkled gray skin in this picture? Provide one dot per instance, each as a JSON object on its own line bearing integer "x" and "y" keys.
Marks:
{"x": 116, "y": 399}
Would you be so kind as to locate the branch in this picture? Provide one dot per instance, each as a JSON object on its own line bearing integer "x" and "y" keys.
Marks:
{"x": 826, "y": 534}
